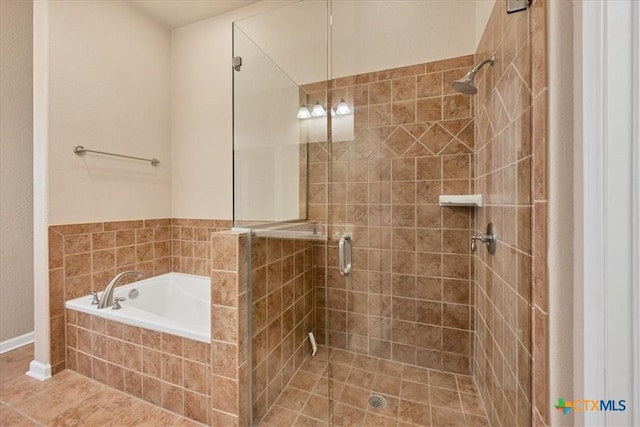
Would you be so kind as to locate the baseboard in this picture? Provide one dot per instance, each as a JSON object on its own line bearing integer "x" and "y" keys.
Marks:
{"x": 39, "y": 371}
{"x": 16, "y": 342}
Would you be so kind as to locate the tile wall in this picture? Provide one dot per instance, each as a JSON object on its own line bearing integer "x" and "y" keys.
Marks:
{"x": 409, "y": 296}
{"x": 539, "y": 237}
{"x": 190, "y": 244}
{"x": 509, "y": 165}
{"x": 163, "y": 369}
{"x": 230, "y": 369}
{"x": 282, "y": 297}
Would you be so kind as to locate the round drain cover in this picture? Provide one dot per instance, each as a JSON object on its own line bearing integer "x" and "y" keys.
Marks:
{"x": 376, "y": 401}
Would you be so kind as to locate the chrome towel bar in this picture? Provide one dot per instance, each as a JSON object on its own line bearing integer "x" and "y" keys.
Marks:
{"x": 81, "y": 151}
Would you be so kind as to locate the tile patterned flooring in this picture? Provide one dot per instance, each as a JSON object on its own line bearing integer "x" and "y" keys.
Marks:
{"x": 415, "y": 396}
{"x": 70, "y": 399}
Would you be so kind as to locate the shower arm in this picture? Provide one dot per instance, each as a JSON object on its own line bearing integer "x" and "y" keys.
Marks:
{"x": 491, "y": 59}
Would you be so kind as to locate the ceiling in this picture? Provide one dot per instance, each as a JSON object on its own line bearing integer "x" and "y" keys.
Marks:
{"x": 177, "y": 13}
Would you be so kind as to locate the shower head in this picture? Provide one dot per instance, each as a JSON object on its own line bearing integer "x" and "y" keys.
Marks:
{"x": 465, "y": 85}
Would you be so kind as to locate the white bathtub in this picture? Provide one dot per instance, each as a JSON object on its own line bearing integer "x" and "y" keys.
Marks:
{"x": 175, "y": 303}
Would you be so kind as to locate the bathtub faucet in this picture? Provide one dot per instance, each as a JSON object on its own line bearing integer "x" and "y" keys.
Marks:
{"x": 106, "y": 300}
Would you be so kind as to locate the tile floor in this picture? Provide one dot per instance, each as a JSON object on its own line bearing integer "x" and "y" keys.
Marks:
{"x": 70, "y": 399}
{"x": 415, "y": 396}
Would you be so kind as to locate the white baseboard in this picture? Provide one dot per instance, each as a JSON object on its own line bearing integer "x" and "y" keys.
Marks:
{"x": 39, "y": 371}
{"x": 16, "y": 342}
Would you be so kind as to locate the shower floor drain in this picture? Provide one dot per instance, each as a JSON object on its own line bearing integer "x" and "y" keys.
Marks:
{"x": 377, "y": 401}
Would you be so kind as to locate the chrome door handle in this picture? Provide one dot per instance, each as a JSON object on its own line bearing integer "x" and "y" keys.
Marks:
{"x": 344, "y": 255}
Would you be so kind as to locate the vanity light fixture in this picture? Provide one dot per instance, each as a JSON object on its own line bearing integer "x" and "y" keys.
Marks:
{"x": 342, "y": 108}
{"x": 303, "y": 112}
{"x": 318, "y": 110}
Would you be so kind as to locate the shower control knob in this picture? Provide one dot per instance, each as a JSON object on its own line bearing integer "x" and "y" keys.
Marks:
{"x": 489, "y": 239}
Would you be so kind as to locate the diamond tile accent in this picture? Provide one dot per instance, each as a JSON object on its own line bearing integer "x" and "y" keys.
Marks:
{"x": 436, "y": 138}
{"x": 399, "y": 141}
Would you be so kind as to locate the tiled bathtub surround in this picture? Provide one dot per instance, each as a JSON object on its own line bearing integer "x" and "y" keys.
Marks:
{"x": 85, "y": 257}
{"x": 163, "y": 369}
{"x": 282, "y": 299}
{"x": 190, "y": 244}
{"x": 409, "y": 297}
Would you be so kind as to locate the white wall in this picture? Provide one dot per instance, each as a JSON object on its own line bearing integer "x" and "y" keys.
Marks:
{"x": 16, "y": 183}
{"x": 109, "y": 90}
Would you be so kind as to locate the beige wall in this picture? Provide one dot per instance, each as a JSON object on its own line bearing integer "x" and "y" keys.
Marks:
{"x": 367, "y": 35}
{"x": 267, "y": 138}
{"x": 561, "y": 205}
{"x": 16, "y": 135}
{"x": 365, "y": 39}
{"x": 106, "y": 79}
{"x": 109, "y": 90}
{"x": 201, "y": 122}
{"x": 483, "y": 10}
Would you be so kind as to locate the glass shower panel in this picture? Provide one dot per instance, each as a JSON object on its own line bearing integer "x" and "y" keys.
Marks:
{"x": 267, "y": 148}
{"x": 283, "y": 206}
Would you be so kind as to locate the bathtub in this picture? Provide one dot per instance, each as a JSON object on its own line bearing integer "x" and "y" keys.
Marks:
{"x": 174, "y": 303}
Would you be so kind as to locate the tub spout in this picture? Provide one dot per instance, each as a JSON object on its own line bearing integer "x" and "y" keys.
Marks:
{"x": 106, "y": 300}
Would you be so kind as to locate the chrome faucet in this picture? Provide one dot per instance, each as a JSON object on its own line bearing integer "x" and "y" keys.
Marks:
{"x": 106, "y": 300}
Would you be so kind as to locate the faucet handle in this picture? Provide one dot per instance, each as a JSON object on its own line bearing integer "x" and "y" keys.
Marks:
{"x": 116, "y": 303}
{"x": 489, "y": 238}
{"x": 95, "y": 299}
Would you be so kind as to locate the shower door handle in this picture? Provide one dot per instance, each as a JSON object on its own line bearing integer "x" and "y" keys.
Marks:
{"x": 344, "y": 255}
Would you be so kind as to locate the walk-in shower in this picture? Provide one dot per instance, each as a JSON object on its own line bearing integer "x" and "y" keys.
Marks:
{"x": 349, "y": 240}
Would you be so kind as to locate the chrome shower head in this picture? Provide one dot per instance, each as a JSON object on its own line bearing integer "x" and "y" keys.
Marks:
{"x": 465, "y": 85}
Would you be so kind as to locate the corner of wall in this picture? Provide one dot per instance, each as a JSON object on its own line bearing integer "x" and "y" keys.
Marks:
{"x": 561, "y": 210}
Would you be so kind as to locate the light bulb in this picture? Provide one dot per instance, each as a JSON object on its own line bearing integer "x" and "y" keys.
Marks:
{"x": 342, "y": 108}
{"x": 318, "y": 110}
{"x": 303, "y": 113}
